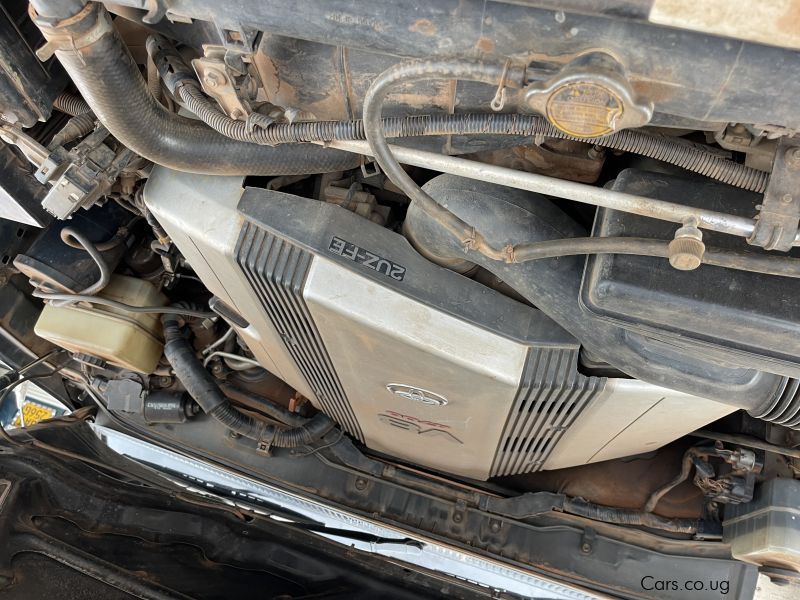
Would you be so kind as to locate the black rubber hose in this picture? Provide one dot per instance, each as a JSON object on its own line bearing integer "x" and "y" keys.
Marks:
{"x": 70, "y": 235}
{"x": 109, "y": 80}
{"x": 622, "y": 516}
{"x": 782, "y": 266}
{"x": 373, "y": 128}
{"x": 205, "y": 391}
{"x": 71, "y": 104}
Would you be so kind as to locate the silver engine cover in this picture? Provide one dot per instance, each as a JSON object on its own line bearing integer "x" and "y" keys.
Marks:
{"x": 412, "y": 359}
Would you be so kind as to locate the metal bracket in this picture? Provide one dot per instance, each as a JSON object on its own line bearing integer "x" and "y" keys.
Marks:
{"x": 365, "y": 171}
{"x": 217, "y": 82}
{"x": 778, "y": 220}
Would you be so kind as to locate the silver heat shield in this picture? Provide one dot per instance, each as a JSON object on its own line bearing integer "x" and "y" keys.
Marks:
{"x": 414, "y": 360}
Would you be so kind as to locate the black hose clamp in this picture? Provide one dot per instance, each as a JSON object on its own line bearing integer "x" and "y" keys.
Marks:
{"x": 265, "y": 441}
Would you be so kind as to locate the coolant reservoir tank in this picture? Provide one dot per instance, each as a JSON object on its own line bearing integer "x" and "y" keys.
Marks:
{"x": 125, "y": 339}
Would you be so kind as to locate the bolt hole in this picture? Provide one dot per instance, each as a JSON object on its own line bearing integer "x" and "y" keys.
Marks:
{"x": 5, "y": 259}
{"x": 20, "y": 232}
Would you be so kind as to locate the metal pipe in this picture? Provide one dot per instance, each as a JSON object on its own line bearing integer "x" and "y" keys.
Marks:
{"x": 561, "y": 188}
{"x": 746, "y": 440}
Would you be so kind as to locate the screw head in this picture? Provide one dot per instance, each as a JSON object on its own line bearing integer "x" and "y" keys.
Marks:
{"x": 792, "y": 157}
{"x": 458, "y": 517}
{"x": 361, "y": 483}
{"x": 495, "y": 527}
{"x": 586, "y": 547}
{"x": 214, "y": 78}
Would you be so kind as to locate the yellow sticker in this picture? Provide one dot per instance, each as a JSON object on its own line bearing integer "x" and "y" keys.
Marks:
{"x": 584, "y": 109}
{"x": 33, "y": 414}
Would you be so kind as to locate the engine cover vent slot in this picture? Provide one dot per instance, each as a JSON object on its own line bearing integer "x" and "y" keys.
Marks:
{"x": 551, "y": 395}
{"x": 277, "y": 270}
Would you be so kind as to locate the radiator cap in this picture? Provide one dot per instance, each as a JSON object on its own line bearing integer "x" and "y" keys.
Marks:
{"x": 590, "y": 97}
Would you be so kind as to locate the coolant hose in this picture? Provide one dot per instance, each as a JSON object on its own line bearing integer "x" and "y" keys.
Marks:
{"x": 100, "y": 65}
{"x": 204, "y": 389}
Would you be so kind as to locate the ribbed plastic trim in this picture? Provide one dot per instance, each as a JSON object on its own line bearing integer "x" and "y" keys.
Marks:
{"x": 276, "y": 269}
{"x": 551, "y": 395}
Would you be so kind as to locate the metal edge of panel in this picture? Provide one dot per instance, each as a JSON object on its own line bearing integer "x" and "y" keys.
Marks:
{"x": 235, "y": 489}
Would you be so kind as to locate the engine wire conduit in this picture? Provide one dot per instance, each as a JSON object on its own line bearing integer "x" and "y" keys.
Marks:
{"x": 680, "y": 152}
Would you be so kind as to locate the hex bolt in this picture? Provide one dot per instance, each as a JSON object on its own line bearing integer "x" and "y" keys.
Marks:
{"x": 586, "y": 547}
{"x": 792, "y": 157}
{"x": 214, "y": 78}
{"x": 495, "y": 526}
{"x": 217, "y": 369}
{"x": 458, "y": 517}
{"x": 361, "y": 484}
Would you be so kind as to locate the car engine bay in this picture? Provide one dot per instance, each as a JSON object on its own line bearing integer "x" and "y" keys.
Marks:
{"x": 535, "y": 260}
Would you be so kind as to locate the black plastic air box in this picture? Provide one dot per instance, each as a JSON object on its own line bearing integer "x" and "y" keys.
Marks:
{"x": 746, "y": 313}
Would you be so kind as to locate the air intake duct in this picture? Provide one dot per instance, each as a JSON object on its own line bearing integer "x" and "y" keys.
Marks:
{"x": 507, "y": 216}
